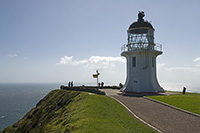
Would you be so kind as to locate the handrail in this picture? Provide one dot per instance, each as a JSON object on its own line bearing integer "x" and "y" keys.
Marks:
{"x": 141, "y": 46}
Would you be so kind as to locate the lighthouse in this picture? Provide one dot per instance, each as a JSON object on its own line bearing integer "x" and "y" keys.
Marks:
{"x": 141, "y": 52}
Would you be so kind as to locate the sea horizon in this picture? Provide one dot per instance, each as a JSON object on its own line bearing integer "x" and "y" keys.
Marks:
{"x": 16, "y": 99}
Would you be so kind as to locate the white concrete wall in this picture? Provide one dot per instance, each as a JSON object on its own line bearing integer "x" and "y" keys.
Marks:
{"x": 141, "y": 78}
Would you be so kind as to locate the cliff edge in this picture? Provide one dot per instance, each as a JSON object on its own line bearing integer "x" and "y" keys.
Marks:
{"x": 75, "y": 111}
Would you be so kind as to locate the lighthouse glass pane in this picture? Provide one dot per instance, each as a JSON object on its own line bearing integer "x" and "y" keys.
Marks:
{"x": 134, "y": 61}
{"x": 140, "y": 40}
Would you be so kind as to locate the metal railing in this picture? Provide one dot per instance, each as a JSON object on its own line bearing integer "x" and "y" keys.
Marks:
{"x": 141, "y": 46}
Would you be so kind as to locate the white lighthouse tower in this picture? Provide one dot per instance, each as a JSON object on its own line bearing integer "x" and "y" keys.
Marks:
{"x": 141, "y": 53}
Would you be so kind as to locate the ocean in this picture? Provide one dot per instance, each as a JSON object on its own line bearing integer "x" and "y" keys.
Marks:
{"x": 17, "y": 99}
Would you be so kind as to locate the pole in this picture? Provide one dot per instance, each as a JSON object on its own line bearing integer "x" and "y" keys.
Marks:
{"x": 97, "y": 78}
{"x": 97, "y": 81}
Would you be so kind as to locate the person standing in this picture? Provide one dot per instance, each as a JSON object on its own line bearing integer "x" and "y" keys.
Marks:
{"x": 72, "y": 84}
{"x": 69, "y": 84}
{"x": 102, "y": 84}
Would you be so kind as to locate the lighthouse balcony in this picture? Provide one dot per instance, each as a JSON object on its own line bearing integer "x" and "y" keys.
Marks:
{"x": 141, "y": 46}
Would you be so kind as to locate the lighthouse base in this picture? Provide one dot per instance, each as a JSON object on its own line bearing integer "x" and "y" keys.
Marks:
{"x": 142, "y": 92}
{"x": 143, "y": 84}
{"x": 142, "y": 87}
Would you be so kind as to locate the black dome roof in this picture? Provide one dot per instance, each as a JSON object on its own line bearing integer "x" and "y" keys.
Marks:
{"x": 140, "y": 23}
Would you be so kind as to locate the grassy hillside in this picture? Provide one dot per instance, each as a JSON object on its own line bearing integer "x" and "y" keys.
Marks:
{"x": 189, "y": 101}
{"x": 73, "y": 111}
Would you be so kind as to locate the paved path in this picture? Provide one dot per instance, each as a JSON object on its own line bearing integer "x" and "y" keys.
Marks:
{"x": 164, "y": 118}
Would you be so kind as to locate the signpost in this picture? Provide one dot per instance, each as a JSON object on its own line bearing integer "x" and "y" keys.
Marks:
{"x": 96, "y": 76}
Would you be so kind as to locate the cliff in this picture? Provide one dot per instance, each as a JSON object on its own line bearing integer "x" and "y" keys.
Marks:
{"x": 75, "y": 111}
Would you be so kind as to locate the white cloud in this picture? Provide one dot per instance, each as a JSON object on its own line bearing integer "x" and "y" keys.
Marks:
{"x": 65, "y": 60}
{"x": 94, "y": 62}
{"x": 196, "y": 59}
{"x": 79, "y": 62}
{"x": 103, "y": 62}
{"x": 181, "y": 69}
{"x": 12, "y": 55}
{"x": 160, "y": 65}
{"x": 191, "y": 69}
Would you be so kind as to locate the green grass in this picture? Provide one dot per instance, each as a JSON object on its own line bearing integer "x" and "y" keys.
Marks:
{"x": 99, "y": 113}
{"x": 72, "y": 111}
{"x": 189, "y": 101}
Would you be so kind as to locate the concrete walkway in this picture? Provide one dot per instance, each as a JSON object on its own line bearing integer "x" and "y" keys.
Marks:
{"x": 164, "y": 118}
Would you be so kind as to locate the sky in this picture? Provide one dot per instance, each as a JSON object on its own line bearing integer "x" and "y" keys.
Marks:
{"x": 65, "y": 40}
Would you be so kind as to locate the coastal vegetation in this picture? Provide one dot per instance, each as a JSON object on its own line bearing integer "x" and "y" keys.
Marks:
{"x": 76, "y": 111}
{"x": 188, "y": 101}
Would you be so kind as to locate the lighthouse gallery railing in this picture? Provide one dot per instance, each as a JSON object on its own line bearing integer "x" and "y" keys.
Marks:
{"x": 141, "y": 46}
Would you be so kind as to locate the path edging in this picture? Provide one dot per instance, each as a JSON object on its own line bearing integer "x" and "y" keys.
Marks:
{"x": 136, "y": 115}
{"x": 171, "y": 106}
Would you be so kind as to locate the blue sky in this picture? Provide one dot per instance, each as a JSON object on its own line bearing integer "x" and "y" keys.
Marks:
{"x": 37, "y": 35}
